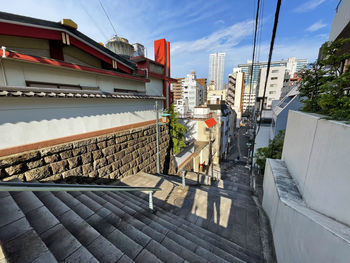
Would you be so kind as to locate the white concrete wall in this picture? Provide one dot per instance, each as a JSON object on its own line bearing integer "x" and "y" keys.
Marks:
{"x": 29, "y": 120}
{"x": 317, "y": 154}
{"x": 154, "y": 87}
{"x": 18, "y": 72}
{"x": 299, "y": 233}
{"x": 192, "y": 126}
{"x": 341, "y": 19}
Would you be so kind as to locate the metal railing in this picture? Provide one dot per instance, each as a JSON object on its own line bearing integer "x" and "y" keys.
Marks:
{"x": 22, "y": 186}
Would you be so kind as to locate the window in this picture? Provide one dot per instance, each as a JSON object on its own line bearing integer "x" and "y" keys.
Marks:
{"x": 273, "y": 85}
{"x": 274, "y": 71}
{"x": 274, "y": 78}
{"x": 272, "y": 92}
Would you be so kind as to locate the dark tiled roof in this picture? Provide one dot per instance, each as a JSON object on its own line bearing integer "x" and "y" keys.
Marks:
{"x": 58, "y": 26}
{"x": 69, "y": 93}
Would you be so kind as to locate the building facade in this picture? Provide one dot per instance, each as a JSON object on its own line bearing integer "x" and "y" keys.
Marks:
{"x": 216, "y": 69}
{"x": 63, "y": 96}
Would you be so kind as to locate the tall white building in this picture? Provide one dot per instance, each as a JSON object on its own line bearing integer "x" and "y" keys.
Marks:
{"x": 192, "y": 95}
{"x": 277, "y": 77}
{"x": 216, "y": 69}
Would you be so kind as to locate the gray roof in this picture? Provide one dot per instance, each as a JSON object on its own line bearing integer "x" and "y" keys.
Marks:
{"x": 12, "y": 91}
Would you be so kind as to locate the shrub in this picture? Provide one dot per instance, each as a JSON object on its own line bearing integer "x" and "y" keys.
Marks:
{"x": 177, "y": 131}
{"x": 273, "y": 151}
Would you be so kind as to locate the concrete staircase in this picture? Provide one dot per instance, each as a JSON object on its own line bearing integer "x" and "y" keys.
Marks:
{"x": 118, "y": 226}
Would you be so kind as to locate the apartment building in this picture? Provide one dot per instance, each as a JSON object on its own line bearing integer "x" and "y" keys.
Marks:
{"x": 278, "y": 77}
{"x": 192, "y": 95}
{"x": 216, "y": 69}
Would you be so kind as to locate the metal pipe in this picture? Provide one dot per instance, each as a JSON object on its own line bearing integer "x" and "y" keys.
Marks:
{"x": 23, "y": 186}
{"x": 150, "y": 200}
{"x": 157, "y": 137}
{"x": 183, "y": 179}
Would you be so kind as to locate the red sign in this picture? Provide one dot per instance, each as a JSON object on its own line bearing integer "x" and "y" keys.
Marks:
{"x": 210, "y": 122}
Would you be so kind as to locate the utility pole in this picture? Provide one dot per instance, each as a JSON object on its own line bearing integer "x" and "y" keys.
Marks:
{"x": 157, "y": 135}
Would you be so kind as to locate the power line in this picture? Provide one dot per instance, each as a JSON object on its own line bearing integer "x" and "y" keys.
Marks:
{"x": 93, "y": 20}
{"x": 115, "y": 32}
{"x": 254, "y": 48}
{"x": 270, "y": 56}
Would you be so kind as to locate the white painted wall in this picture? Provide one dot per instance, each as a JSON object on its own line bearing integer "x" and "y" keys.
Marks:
{"x": 341, "y": 19}
{"x": 154, "y": 87}
{"x": 29, "y": 120}
{"x": 18, "y": 72}
{"x": 299, "y": 233}
{"x": 317, "y": 154}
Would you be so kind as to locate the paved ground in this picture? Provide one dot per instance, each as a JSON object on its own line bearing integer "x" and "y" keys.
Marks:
{"x": 225, "y": 208}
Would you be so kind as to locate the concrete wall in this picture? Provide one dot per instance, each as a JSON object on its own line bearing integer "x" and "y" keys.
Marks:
{"x": 317, "y": 154}
{"x": 29, "y": 120}
{"x": 299, "y": 233}
{"x": 155, "y": 87}
{"x": 18, "y": 72}
{"x": 340, "y": 21}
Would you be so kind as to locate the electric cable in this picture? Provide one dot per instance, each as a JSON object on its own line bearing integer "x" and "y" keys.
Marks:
{"x": 274, "y": 30}
{"x": 108, "y": 17}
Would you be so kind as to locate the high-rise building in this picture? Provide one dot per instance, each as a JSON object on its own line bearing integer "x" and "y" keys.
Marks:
{"x": 216, "y": 69}
{"x": 291, "y": 66}
{"x": 203, "y": 82}
{"x": 235, "y": 92}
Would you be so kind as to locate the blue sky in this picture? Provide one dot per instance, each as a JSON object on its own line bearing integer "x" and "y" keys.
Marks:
{"x": 195, "y": 28}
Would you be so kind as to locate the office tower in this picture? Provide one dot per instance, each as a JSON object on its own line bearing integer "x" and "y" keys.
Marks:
{"x": 216, "y": 69}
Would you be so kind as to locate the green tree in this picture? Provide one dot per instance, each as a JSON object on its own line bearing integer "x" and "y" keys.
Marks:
{"x": 177, "y": 131}
{"x": 273, "y": 151}
{"x": 325, "y": 84}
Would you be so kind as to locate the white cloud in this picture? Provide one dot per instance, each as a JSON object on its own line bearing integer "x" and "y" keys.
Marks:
{"x": 308, "y": 6}
{"x": 316, "y": 26}
{"x": 217, "y": 41}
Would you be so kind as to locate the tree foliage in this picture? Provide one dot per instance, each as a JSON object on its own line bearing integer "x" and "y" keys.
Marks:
{"x": 273, "y": 151}
{"x": 177, "y": 131}
{"x": 325, "y": 84}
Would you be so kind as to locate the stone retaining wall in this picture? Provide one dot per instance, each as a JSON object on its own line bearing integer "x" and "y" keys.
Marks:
{"x": 109, "y": 156}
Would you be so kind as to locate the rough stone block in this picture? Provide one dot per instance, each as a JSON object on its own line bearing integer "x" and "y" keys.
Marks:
{"x": 17, "y": 176}
{"x": 85, "y": 142}
{"x": 96, "y": 155}
{"x": 38, "y": 173}
{"x": 15, "y": 169}
{"x": 74, "y": 162}
{"x": 59, "y": 167}
{"x": 66, "y": 154}
{"x": 86, "y": 158}
{"x": 101, "y": 145}
{"x": 110, "y": 159}
{"x": 87, "y": 168}
{"x": 79, "y": 151}
{"x": 56, "y": 149}
{"x": 110, "y": 142}
{"x": 18, "y": 158}
{"x": 91, "y": 147}
{"x": 99, "y": 163}
{"x": 108, "y": 151}
{"x": 51, "y": 159}
{"x": 74, "y": 172}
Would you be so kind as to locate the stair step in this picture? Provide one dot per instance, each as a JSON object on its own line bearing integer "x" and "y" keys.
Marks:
{"x": 49, "y": 228}
{"x": 107, "y": 233}
{"x": 196, "y": 230}
{"x": 19, "y": 241}
{"x": 161, "y": 252}
{"x": 156, "y": 231}
{"x": 162, "y": 225}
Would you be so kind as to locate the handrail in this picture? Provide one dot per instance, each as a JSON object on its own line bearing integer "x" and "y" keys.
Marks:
{"x": 25, "y": 186}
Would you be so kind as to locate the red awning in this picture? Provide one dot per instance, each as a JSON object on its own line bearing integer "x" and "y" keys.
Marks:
{"x": 210, "y": 122}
